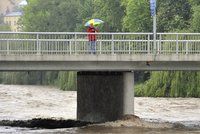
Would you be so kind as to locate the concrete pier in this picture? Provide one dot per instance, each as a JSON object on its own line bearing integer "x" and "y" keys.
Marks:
{"x": 128, "y": 89}
{"x": 104, "y": 96}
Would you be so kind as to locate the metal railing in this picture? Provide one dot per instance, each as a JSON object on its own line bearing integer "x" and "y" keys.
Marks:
{"x": 67, "y": 43}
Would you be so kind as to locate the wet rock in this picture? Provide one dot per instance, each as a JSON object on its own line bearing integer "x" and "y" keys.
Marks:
{"x": 44, "y": 123}
{"x": 130, "y": 117}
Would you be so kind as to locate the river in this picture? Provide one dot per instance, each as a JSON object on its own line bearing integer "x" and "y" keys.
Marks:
{"x": 156, "y": 115}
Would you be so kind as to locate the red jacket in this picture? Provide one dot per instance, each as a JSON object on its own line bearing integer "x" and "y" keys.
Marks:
{"x": 91, "y": 37}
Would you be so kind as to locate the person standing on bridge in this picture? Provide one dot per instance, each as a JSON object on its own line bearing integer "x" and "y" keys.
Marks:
{"x": 92, "y": 38}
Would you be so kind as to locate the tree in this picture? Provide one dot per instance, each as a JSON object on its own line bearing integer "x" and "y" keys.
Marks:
{"x": 67, "y": 80}
{"x": 194, "y": 2}
{"x": 54, "y": 15}
{"x": 137, "y": 17}
{"x": 171, "y": 84}
{"x": 86, "y": 10}
{"x": 173, "y": 15}
{"x": 195, "y": 23}
{"x": 111, "y": 12}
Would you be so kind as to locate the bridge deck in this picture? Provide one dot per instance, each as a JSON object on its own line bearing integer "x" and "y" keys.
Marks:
{"x": 100, "y": 58}
{"x": 114, "y": 51}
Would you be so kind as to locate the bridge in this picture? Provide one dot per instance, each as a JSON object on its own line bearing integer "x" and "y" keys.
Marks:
{"x": 105, "y": 80}
{"x": 114, "y": 51}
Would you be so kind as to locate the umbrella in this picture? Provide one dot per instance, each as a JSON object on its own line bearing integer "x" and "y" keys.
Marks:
{"x": 94, "y": 22}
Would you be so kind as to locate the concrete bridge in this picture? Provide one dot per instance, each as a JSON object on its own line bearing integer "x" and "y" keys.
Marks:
{"x": 105, "y": 79}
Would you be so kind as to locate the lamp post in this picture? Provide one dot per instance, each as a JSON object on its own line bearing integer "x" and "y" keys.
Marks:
{"x": 153, "y": 14}
{"x": 154, "y": 33}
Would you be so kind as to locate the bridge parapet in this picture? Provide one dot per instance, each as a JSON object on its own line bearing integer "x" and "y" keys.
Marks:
{"x": 67, "y": 43}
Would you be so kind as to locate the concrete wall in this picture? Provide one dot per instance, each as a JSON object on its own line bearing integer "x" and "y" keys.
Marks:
{"x": 128, "y": 89}
{"x": 99, "y": 96}
{"x": 97, "y": 66}
{"x": 104, "y": 96}
{"x": 99, "y": 62}
{"x": 8, "y": 56}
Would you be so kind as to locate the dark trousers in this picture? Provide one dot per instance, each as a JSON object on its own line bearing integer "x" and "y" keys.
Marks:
{"x": 92, "y": 47}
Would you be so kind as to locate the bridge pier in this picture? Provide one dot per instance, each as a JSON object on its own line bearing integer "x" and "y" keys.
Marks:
{"x": 104, "y": 96}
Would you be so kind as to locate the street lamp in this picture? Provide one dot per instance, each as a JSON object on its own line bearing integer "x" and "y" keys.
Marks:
{"x": 153, "y": 14}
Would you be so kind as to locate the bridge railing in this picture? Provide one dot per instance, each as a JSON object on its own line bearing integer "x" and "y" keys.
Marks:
{"x": 178, "y": 43}
{"x": 107, "y": 43}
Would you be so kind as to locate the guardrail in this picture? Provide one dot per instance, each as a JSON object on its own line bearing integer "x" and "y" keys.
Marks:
{"x": 67, "y": 43}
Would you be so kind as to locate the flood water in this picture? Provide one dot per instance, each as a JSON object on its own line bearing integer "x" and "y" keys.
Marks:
{"x": 97, "y": 130}
{"x": 156, "y": 115}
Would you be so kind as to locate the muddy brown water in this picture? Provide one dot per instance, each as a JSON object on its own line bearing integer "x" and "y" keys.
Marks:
{"x": 48, "y": 106}
{"x": 96, "y": 130}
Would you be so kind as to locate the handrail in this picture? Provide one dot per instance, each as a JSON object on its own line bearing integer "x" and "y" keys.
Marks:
{"x": 103, "y": 33}
{"x": 69, "y": 43}
{"x": 8, "y": 32}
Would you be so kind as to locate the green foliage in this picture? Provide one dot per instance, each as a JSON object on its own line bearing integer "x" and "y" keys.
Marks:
{"x": 51, "y": 78}
{"x": 139, "y": 90}
{"x": 194, "y": 2}
{"x": 64, "y": 80}
{"x": 70, "y": 15}
{"x": 111, "y": 12}
{"x": 195, "y": 24}
{"x": 137, "y": 17}
{"x": 86, "y": 11}
{"x": 13, "y": 78}
{"x": 173, "y": 15}
{"x": 156, "y": 85}
{"x": 171, "y": 84}
{"x": 4, "y": 28}
{"x": 67, "y": 80}
{"x": 54, "y": 15}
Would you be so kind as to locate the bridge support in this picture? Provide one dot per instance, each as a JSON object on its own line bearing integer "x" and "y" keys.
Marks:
{"x": 104, "y": 96}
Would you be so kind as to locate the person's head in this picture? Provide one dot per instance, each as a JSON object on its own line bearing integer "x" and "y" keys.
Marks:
{"x": 91, "y": 25}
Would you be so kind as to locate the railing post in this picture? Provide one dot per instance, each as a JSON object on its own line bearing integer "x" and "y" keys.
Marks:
{"x": 75, "y": 36}
{"x": 154, "y": 35}
{"x": 159, "y": 45}
{"x": 177, "y": 44}
{"x": 100, "y": 49}
{"x": 187, "y": 47}
{"x": 70, "y": 47}
{"x": 112, "y": 44}
{"x": 148, "y": 45}
{"x": 154, "y": 45}
{"x": 7, "y": 47}
{"x": 38, "y": 45}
